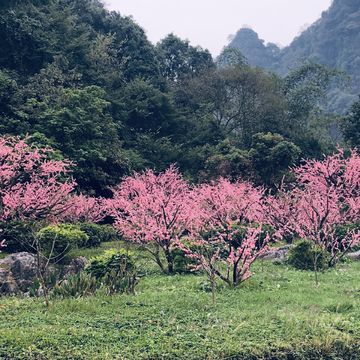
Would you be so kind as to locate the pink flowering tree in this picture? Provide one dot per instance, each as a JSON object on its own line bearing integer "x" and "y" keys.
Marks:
{"x": 86, "y": 209}
{"x": 153, "y": 211}
{"x": 282, "y": 212}
{"x": 32, "y": 188}
{"x": 30, "y": 184}
{"x": 228, "y": 228}
{"x": 329, "y": 195}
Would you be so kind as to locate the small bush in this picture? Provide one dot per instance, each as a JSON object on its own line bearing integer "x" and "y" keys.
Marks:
{"x": 180, "y": 260}
{"x": 76, "y": 286}
{"x": 49, "y": 282}
{"x": 242, "y": 231}
{"x": 66, "y": 238}
{"x": 93, "y": 231}
{"x": 119, "y": 282}
{"x": 108, "y": 233}
{"x": 239, "y": 232}
{"x": 302, "y": 256}
{"x": 109, "y": 261}
{"x": 97, "y": 233}
{"x": 16, "y": 234}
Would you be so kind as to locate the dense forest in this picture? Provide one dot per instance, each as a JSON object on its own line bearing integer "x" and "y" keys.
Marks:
{"x": 333, "y": 40}
{"x": 87, "y": 83}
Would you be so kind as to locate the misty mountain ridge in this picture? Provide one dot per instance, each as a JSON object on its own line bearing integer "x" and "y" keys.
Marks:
{"x": 333, "y": 40}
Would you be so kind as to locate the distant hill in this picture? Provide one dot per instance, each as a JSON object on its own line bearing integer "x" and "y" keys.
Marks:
{"x": 255, "y": 50}
{"x": 334, "y": 40}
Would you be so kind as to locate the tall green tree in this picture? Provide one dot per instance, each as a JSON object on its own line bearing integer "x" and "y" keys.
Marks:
{"x": 241, "y": 99}
{"x": 309, "y": 122}
{"x": 81, "y": 127}
{"x": 350, "y": 125}
{"x": 178, "y": 59}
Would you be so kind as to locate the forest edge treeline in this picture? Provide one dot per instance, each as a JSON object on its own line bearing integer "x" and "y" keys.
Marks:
{"x": 87, "y": 83}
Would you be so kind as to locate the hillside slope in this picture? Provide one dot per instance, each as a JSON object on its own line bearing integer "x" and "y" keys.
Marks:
{"x": 334, "y": 40}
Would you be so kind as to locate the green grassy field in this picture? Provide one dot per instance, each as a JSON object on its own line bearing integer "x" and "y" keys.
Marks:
{"x": 277, "y": 314}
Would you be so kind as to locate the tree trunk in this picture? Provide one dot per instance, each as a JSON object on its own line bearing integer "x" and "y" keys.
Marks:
{"x": 169, "y": 259}
{"x": 212, "y": 280}
{"x": 158, "y": 261}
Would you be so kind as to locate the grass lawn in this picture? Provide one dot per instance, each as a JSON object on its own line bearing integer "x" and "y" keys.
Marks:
{"x": 277, "y": 314}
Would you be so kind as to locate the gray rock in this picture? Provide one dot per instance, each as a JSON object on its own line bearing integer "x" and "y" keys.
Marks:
{"x": 7, "y": 283}
{"x": 17, "y": 271}
{"x": 24, "y": 266}
{"x": 10, "y": 287}
{"x": 76, "y": 265}
{"x": 354, "y": 255}
{"x": 277, "y": 253}
{"x": 25, "y": 295}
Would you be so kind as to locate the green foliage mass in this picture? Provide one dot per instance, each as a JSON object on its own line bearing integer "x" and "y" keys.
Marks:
{"x": 97, "y": 233}
{"x": 76, "y": 286}
{"x": 109, "y": 261}
{"x": 302, "y": 256}
{"x": 88, "y": 83}
{"x": 61, "y": 238}
{"x": 350, "y": 125}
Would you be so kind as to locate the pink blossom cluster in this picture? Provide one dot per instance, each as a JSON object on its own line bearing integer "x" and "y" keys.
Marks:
{"x": 153, "y": 210}
{"x": 220, "y": 208}
{"x": 160, "y": 211}
{"x": 326, "y": 195}
{"x": 86, "y": 209}
{"x": 30, "y": 185}
{"x": 33, "y": 187}
{"x": 2, "y": 243}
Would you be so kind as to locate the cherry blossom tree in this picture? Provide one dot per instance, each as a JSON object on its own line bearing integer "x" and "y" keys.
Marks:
{"x": 153, "y": 211}
{"x": 228, "y": 230}
{"x": 328, "y": 193}
{"x": 86, "y": 209}
{"x": 32, "y": 188}
{"x": 282, "y": 211}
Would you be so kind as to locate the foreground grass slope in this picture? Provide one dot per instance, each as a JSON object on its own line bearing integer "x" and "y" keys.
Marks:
{"x": 277, "y": 314}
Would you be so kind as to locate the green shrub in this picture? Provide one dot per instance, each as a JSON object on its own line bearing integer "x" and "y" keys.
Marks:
{"x": 49, "y": 281}
{"x": 108, "y": 233}
{"x": 97, "y": 233}
{"x": 119, "y": 282}
{"x": 76, "y": 286}
{"x": 181, "y": 262}
{"x": 239, "y": 232}
{"x": 17, "y": 234}
{"x": 93, "y": 231}
{"x": 66, "y": 237}
{"x": 109, "y": 261}
{"x": 238, "y": 237}
{"x": 302, "y": 256}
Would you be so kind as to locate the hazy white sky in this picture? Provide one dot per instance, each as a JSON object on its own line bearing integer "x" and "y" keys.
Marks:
{"x": 209, "y": 22}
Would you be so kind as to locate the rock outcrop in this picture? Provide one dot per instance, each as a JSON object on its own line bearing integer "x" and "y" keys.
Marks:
{"x": 277, "y": 253}
{"x": 17, "y": 271}
{"x": 76, "y": 265}
{"x": 354, "y": 255}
